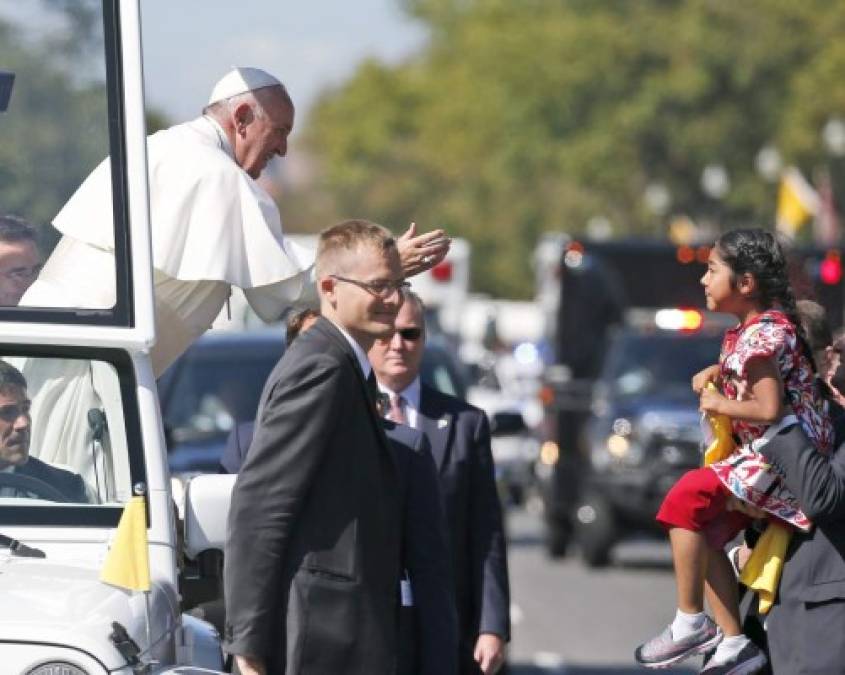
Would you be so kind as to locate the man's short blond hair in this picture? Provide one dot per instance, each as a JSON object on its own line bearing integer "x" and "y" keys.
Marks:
{"x": 339, "y": 241}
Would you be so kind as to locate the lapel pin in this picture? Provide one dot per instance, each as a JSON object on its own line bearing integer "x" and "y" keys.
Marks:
{"x": 442, "y": 423}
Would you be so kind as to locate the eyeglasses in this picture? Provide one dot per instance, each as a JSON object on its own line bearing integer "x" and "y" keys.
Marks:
{"x": 12, "y": 411}
{"x": 409, "y": 334}
{"x": 381, "y": 288}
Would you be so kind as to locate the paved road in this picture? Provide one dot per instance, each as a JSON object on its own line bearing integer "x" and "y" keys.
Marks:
{"x": 570, "y": 620}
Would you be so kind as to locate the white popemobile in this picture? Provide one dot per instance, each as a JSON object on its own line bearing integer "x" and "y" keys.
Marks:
{"x": 59, "y": 617}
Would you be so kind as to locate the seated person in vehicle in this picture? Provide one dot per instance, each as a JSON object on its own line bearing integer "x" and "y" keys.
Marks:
{"x": 20, "y": 474}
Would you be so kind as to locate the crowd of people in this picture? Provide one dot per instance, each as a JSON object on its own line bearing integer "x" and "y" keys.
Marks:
{"x": 365, "y": 531}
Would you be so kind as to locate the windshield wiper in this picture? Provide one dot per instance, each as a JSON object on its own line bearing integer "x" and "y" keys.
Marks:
{"x": 20, "y": 549}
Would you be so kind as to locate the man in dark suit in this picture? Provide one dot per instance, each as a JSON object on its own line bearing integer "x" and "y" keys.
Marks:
{"x": 806, "y": 624}
{"x": 428, "y": 626}
{"x": 460, "y": 441}
{"x": 20, "y": 474}
{"x": 312, "y": 560}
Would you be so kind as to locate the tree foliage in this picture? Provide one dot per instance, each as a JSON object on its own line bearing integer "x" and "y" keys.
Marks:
{"x": 522, "y": 116}
{"x": 53, "y": 133}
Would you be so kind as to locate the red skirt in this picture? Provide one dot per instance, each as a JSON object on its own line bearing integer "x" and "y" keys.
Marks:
{"x": 697, "y": 502}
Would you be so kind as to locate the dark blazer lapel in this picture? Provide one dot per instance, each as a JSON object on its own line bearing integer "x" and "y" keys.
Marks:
{"x": 339, "y": 339}
{"x": 437, "y": 425}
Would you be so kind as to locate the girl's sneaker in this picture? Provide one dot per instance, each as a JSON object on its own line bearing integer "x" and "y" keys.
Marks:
{"x": 662, "y": 651}
{"x": 749, "y": 660}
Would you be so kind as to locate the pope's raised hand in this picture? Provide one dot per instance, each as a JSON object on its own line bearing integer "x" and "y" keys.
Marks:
{"x": 419, "y": 253}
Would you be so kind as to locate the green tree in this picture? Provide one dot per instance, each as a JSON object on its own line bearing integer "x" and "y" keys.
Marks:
{"x": 53, "y": 133}
{"x": 532, "y": 115}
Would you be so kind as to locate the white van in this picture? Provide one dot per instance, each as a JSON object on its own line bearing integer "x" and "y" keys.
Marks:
{"x": 76, "y": 96}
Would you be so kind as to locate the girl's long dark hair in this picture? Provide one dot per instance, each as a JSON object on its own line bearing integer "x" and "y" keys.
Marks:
{"x": 758, "y": 253}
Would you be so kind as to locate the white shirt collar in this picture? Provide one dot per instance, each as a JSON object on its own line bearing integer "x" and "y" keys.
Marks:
{"x": 222, "y": 138}
{"x": 360, "y": 354}
{"x": 411, "y": 394}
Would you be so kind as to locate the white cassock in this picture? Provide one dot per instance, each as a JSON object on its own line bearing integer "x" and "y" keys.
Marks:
{"x": 212, "y": 227}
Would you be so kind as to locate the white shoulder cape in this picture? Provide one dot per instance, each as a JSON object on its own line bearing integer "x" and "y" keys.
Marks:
{"x": 210, "y": 220}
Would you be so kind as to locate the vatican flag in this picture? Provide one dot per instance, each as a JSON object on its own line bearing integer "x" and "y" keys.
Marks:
{"x": 127, "y": 563}
{"x": 797, "y": 202}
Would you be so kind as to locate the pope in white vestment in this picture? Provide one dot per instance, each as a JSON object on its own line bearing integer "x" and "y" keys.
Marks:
{"x": 213, "y": 226}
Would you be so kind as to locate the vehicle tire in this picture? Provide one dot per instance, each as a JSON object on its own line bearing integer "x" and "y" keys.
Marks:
{"x": 557, "y": 538}
{"x": 595, "y": 530}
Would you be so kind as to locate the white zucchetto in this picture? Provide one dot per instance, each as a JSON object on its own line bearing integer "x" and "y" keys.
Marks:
{"x": 240, "y": 81}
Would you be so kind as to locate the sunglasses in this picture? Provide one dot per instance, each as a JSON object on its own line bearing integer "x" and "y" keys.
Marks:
{"x": 410, "y": 334}
{"x": 12, "y": 411}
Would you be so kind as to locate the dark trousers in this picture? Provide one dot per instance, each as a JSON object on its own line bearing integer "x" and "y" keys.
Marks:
{"x": 406, "y": 653}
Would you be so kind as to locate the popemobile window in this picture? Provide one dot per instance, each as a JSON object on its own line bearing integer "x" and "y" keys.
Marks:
{"x": 64, "y": 247}
{"x": 63, "y": 435}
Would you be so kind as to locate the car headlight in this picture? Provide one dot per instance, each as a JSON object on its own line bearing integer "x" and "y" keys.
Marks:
{"x": 57, "y": 668}
{"x": 624, "y": 449}
{"x": 620, "y": 446}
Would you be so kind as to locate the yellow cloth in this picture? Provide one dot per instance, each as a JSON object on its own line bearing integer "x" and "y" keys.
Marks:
{"x": 763, "y": 569}
{"x": 723, "y": 440}
{"x": 127, "y": 563}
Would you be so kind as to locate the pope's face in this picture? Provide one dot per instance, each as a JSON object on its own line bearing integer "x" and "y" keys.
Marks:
{"x": 265, "y": 136}
{"x": 19, "y": 266}
{"x": 14, "y": 427}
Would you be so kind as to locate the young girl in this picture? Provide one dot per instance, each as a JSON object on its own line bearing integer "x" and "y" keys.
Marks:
{"x": 765, "y": 371}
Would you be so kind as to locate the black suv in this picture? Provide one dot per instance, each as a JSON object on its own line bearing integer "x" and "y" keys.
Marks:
{"x": 217, "y": 383}
{"x": 641, "y": 434}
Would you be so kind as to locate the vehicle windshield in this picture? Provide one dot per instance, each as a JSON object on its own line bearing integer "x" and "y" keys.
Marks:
{"x": 65, "y": 430}
{"x": 658, "y": 363}
{"x": 60, "y": 118}
{"x": 206, "y": 393}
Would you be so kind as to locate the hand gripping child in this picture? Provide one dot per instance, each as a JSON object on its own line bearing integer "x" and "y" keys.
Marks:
{"x": 765, "y": 373}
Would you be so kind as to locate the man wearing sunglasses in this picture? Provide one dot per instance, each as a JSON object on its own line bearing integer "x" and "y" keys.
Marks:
{"x": 20, "y": 474}
{"x": 459, "y": 435}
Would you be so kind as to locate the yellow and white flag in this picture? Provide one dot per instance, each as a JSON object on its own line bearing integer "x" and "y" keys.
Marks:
{"x": 127, "y": 563}
{"x": 797, "y": 202}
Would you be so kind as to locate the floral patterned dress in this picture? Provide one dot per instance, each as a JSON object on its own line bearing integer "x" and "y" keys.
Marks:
{"x": 746, "y": 473}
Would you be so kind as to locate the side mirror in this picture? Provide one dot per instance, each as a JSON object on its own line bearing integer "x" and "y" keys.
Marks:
{"x": 7, "y": 79}
{"x": 507, "y": 424}
{"x": 207, "y": 500}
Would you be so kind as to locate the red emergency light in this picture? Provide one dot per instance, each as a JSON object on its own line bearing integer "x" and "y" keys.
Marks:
{"x": 830, "y": 269}
{"x": 442, "y": 271}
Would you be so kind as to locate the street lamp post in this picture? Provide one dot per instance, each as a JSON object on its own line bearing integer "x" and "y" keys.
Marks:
{"x": 716, "y": 183}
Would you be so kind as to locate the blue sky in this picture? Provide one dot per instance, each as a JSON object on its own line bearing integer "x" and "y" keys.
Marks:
{"x": 308, "y": 44}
